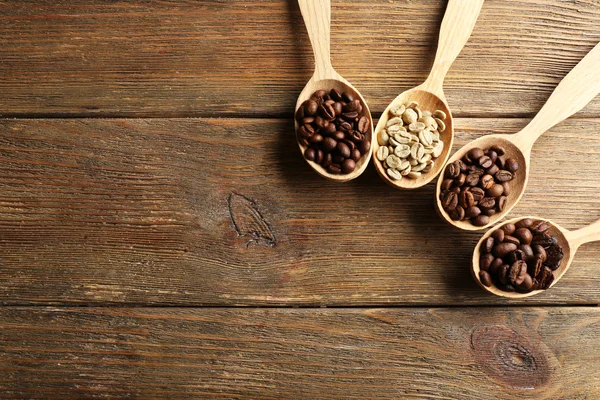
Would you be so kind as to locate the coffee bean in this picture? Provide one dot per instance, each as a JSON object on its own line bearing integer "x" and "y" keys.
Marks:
{"x": 460, "y": 179}
{"x": 527, "y": 283}
{"x": 487, "y": 203}
{"x": 517, "y": 272}
{"x": 523, "y": 235}
{"x": 512, "y": 165}
{"x": 502, "y": 274}
{"x": 327, "y": 160}
{"x": 472, "y": 212}
{"x": 335, "y": 95}
{"x": 310, "y": 108}
{"x": 513, "y": 256}
{"x": 511, "y": 239}
{"x": 485, "y": 261}
{"x": 449, "y": 201}
{"x": 495, "y": 190}
{"x": 472, "y": 179}
{"x": 329, "y": 130}
{"x": 527, "y": 250}
{"x": 363, "y": 124}
{"x": 337, "y": 159}
{"x": 543, "y": 239}
{"x": 492, "y": 155}
{"x": 503, "y": 176}
{"x": 496, "y": 264}
{"x": 539, "y": 251}
{"x": 480, "y": 220}
{"x": 458, "y": 214}
{"x": 350, "y": 144}
{"x": 488, "y": 245}
{"x": 344, "y": 126}
{"x": 475, "y": 153}
{"x": 334, "y": 169}
{"x": 310, "y": 154}
{"x": 498, "y": 149}
{"x": 535, "y": 266}
{"x": 338, "y": 135}
{"x": 540, "y": 226}
{"x": 508, "y": 229}
{"x": 355, "y": 155}
{"x": 452, "y": 171}
{"x": 492, "y": 170}
{"x": 446, "y": 184}
{"x": 485, "y": 162}
{"x": 498, "y": 236}
{"x": 465, "y": 199}
{"x": 329, "y": 144}
{"x": 545, "y": 278}
{"x": 503, "y": 249}
{"x": 501, "y": 203}
{"x": 555, "y": 255}
{"x": 485, "y": 278}
{"x": 474, "y": 169}
{"x": 348, "y": 166}
{"x": 364, "y": 146}
{"x": 316, "y": 138}
{"x": 319, "y": 157}
{"x": 486, "y": 182}
{"x": 478, "y": 194}
{"x": 524, "y": 223}
{"x": 350, "y": 115}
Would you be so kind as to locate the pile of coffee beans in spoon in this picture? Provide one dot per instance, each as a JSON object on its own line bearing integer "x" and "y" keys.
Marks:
{"x": 476, "y": 186}
{"x": 333, "y": 130}
{"x": 520, "y": 257}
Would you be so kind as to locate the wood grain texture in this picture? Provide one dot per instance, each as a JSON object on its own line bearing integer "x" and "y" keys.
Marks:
{"x": 466, "y": 354}
{"x": 220, "y": 57}
{"x": 225, "y": 212}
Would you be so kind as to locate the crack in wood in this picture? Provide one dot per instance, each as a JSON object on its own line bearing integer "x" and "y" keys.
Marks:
{"x": 248, "y": 221}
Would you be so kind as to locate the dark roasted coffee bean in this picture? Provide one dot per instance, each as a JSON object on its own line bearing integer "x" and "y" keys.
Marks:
{"x": 487, "y": 245}
{"x": 338, "y": 107}
{"x": 320, "y": 93}
{"x": 474, "y": 169}
{"x": 485, "y": 278}
{"x": 492, "y": 155}
{"x": 465, "y": 199}
{"x": 348, "y": 166}
{"x": 327, "y": 160}
{"x": 480, "y": 220}
{"x": 334, "y": 169}
{"x": 512, "y": 165}
{"x": 345, "y": 126}
{"x": 300, "y": 114}
{"x": 503, "y": 249}
{"x": 494, "y": 191}
{"x": 511, "y": 239}
{"x": 527, "y": 250}
{"x": 502, "y": 274}
{"x": 485, "y": 261}
{"x": 500, "y": 162}
{"x": 492, "y": 170}
{"x": 452, "y": 171}
{"x": 543, "y": 239}
{"x": 310, "y": 154}
{"x": 458, "y": 214}
{"x": 343, "y": 149}
{"x": 486, "y": 182}
{"x": 472, "y": 180}
{"x": 449, "y": 201}
{"x": 350, "y": 116}
{"x": 489, "y": 212}
{"x": 503, "y": 176}
{"x": 316, "y": 138}
{"x": 308, "y": 120}
{"x": 508, "y": 229}
{"x": 355, "y": 155}
{"x": 364, "y": 146}
{"x": 355, "y": 136}
{"x": 320, "y": 122}
{"x": 339, "y": 135}
{"x": 478, "y": 194}
{"x": 310, "y": 108}
{"x": 506, "y": 187}
{"x": 455, "y": 189}
{"x": 319, "y": 157}
{"x": 496, "y": 264}
{"x": 463, "y": 167}
{"x": 523, "y": 235}
{"x": 337, "y": 159}
{"x": 335, "y": 94}
{"x": 363, "y": 124}
{"x": 472, "y": 212}
{"x": 539, "y": 251}
{"x": 349, "y": 144}
{"x": 498, "y": 236}
{"x": 352, "y": 106}
{"x": 485, "y": 162}
{"x": 524, "y": 223}
{"x": 527, "y": 283}
{"x": 475, "y": 154}
{"x": 329, "y": 130}
{"x": 554, "y": 257}
{"x": 517, "y": 272}
{"x": 487, "y": 203}
{"x": 305, "y": 133}
{"x": 498, "y": 149}
{"x": 535, "y": 265}
{"x": 501, "y": 203}
{"x": 514, "y": 256}
{"x": 545, "y": 278}
{"x": 329, "y": 144}
{"x": 447, "y": 184}
{"x": 460, "y": 179}
{"x": 540, "y": 226}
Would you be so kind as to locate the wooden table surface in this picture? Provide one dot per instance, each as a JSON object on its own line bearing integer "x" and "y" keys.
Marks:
{"x": 162, "y": 238}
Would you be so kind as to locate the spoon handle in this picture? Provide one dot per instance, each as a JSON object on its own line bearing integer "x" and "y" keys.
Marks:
{"x": 590, "y": 233}
{"x": 317, "y": 18}
{"x": 457, "y": 25}
{"x": 573, "y": 93}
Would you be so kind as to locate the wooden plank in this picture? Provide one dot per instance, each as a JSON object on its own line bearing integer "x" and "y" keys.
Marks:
{"x": 206, "y": 58}
{"x": 226, "y": 212}
{"x": 477, "y": 353}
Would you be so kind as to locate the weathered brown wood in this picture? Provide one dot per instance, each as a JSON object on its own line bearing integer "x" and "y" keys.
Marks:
{"x": 225, "y": 212}
{"x": 158, "y": 58}
{"x": 477, "y": 353}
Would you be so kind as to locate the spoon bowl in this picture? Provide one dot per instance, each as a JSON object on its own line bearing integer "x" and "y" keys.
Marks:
{"x": 317, "y": 18}
{"x": 341, "y": 85}
{"x": 573, "y": 93}
{"x": 457, "y": 25}
{"x": 568, "y": 240}
{"x": 427, "y": 101}
{"x": 517, "y": 185}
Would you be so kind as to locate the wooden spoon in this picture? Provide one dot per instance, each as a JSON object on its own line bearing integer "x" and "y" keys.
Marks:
{"x": 317, "y": 18}
{"x": 568, "y": 240}
{"x": 457, "y": 25}
{"x": 576, "y": 89}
